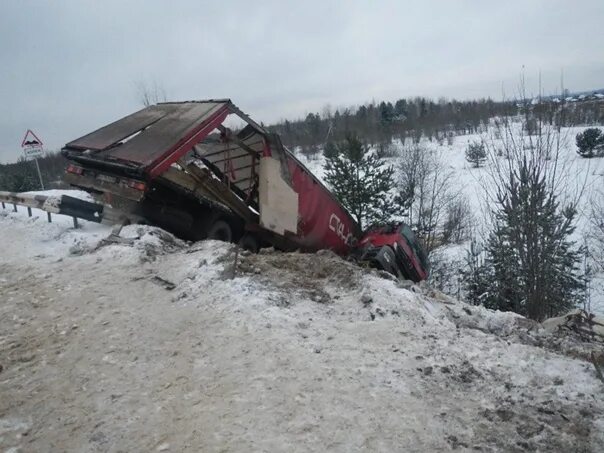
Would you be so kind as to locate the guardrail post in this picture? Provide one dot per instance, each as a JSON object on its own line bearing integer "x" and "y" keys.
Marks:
{"x": 49, "y": 217}
{"x": 14, "y": 207}
{"x": 29, "y": 211}
{"x": 75, "y": 222}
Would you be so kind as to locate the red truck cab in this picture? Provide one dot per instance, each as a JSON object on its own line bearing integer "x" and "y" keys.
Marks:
{"x": 396, "y": 249}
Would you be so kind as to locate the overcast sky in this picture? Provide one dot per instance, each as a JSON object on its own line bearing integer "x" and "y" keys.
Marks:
{"x": 69, "y": 67}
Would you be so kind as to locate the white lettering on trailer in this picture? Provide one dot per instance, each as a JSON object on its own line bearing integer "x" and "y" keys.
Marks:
{"x": 337, "y": 226}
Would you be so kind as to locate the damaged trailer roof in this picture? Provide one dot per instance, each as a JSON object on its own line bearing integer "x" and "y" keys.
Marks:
{"x": 156, "y": 136}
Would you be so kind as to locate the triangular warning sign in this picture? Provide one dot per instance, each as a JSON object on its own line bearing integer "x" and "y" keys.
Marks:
{"x": 31, "y": 140}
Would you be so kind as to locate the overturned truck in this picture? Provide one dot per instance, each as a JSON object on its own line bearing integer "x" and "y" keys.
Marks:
{"x": 204, "y": 169}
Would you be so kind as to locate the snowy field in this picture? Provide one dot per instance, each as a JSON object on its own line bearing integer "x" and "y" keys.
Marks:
{"x": 152, "y": 345}
{"x": 584, "y": 177}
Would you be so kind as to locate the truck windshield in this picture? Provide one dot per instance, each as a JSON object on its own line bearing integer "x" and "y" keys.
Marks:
{"x": 411, "y": 239}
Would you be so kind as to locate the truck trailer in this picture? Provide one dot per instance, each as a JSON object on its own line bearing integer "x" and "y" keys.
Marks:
{"x": 205, "y": 169}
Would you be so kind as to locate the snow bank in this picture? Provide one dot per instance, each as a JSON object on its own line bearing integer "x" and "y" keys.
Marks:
{"x": 150, "y": 341}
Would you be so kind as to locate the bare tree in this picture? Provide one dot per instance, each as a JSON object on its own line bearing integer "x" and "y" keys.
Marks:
{"x": 150, "y": 93}
{"x": 458, "y": 221}
{"x": 426, "y": 191}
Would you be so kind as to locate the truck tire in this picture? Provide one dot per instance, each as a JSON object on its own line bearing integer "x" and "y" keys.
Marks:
{"x": 249, "y": 242}
{"x": 221, "y": 231}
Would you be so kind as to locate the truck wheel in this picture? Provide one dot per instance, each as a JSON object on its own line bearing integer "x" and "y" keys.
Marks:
{"x": 249, "y": 242}
{"x": 220, "y": 231}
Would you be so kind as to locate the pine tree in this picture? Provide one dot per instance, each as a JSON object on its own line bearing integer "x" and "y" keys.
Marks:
{"x": 476, "y": 154}
{"x": 590, "y": 142}
{"x": 360, "y": 180}
{"x": 534, "y": 263}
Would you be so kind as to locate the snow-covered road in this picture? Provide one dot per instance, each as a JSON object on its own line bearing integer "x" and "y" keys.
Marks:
{"x": 296, "y": 353}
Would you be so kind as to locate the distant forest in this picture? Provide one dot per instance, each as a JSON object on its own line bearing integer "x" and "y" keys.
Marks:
{"x": 375, "y": 123}
{"x": 22, "y": 175}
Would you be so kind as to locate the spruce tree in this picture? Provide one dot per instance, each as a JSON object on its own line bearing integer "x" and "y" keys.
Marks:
{"x": 534, "y": 263}
{"x": 360, "y": 180}
{"x": 476, "y": 154}
{"x": 590, "y": 142}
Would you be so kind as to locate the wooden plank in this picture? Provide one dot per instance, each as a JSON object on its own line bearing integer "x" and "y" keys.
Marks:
{"x": 234, "y": 139}
{"x": 118, "y": 130}
{"x": 190, "y": 183}
{"x": 220, "y": 191}
{"x": 152, "y": 143}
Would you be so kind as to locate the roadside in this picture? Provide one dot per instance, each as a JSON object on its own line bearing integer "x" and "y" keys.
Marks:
{"x": 150, "y": 345}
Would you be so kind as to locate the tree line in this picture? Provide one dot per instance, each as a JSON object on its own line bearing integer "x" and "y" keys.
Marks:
{"x": 379, "y": 123}
{"x": 22, "y": 176}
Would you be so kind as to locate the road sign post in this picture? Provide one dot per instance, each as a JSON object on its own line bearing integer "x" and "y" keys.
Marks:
{"x": 39, "y": 173}
{"x": 32, "y": 148}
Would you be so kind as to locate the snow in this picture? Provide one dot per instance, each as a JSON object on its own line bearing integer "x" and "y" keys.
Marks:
{"x": 58, "y": 192}
{"x": 584, "y": 175}
{"x": 297, "y": 352}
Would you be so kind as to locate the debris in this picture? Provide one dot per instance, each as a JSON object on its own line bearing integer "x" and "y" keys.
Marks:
{"x": 163, "y": 282}
{"x": 585, "y": 324}
{"x": 234, "y": 271}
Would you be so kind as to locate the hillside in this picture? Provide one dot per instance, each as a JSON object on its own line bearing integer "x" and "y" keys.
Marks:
{"x": 584, "y": 178}
{"x": 151, "y": 345}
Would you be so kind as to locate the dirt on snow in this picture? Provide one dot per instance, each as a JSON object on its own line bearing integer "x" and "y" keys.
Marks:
{"x": 150, "y": 344}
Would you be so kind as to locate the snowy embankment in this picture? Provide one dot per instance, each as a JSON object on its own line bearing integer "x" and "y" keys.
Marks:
{"x": 152, "y": 345}
{"x": 583, "y": 178}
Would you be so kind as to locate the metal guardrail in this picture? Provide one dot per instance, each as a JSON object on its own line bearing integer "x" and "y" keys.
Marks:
{"x": 64, "y": 205}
